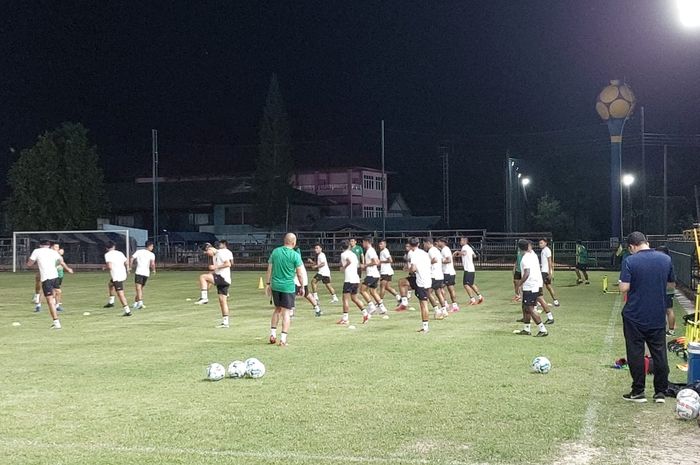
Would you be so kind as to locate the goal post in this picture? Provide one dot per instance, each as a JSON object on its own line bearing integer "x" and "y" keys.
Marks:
{"x": 82, "y": 248}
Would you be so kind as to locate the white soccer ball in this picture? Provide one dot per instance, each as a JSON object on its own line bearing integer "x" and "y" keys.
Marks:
{"x": 254, "y": 368}
{"x": 541, "y": 365}
{"x": 215, "y": 372}
{"x": 687, "y": 408}
{"x": 236, "y": 369}
{"x": 683, "y": 393}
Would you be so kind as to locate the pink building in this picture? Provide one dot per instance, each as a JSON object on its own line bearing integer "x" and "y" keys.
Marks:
{"x": 356, "y": 192}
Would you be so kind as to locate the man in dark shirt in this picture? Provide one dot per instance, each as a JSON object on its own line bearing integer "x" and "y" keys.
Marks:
{"x": 645, "y": 276}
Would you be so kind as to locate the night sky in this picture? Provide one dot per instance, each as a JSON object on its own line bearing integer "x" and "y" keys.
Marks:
{"x": 488, "y": 75}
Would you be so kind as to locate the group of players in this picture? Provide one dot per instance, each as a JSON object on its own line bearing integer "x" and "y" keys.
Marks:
{"x": 429, "y": 264}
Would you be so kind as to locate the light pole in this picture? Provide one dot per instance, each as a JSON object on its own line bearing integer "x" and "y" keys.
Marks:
{"x": 627, "y": 181}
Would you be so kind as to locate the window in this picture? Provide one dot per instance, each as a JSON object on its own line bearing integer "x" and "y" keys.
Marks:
{"x": 370, "y": 211}
{"x": 379, "y": 183}
{"x": 199, "y": 218}
{"x": 368, "y": 182}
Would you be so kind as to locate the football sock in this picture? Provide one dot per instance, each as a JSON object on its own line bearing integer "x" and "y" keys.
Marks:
{"x": 56, "y": 323}
{"x": 127, "y": 309}
{"x": 225, "y": 320}
{"x": 404, "y": 300}
{"x": 317, "y": 308}
{"x": 315, "y": 295}
{"x": 111, "y": 299}
{"x": 334, "y": 297}
{"x": 283, "y": 337}
{"x": 273, "y": 332}
{"x": 364, "y": 311}
{"x": 526, "y": 327}
{"x": 542, "y": 327}
{"x": 345, "y": 316}
{"x": 472, "y": 299}
{"x": 36, "y": 298}
{"x": 550, "y": 315}
{"x": 204, "y": 295}
{"x": 425, "y": 326}
{"x": 398, "y": 298}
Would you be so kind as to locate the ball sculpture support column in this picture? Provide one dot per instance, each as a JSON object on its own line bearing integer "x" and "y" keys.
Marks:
{"x": 615, "y": 104}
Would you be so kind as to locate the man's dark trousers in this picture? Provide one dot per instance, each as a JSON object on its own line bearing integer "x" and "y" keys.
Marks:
{"x": 635, "y": 337}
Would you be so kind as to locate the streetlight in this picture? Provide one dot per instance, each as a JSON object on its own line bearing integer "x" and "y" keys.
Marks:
{"x": 525, "y": 181}
{"x": 627, "y": 181}
{"x": 689, "y": 13}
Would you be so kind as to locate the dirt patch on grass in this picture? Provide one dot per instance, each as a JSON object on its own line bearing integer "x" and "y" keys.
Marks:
{"x": 579, "y": 453}
{"x": 672, "y": 442}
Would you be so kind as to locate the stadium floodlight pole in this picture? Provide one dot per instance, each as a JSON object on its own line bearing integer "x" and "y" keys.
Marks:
{"x": 384, "y": 200}
{"x": 154, "y": 154}
{"x": 627, "y": 181}
{"x": 615, "y": 104}
{"x": 665, "y": 190}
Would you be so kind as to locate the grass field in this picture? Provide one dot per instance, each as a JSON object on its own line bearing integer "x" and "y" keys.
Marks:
{"x": 112, "y": 390}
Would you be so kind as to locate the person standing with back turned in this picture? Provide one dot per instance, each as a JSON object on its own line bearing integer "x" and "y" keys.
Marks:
{"x": 645, "y": 277}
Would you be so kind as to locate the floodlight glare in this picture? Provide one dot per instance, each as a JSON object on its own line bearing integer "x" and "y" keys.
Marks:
{"x": 627, "y": 180}
{"x": 689, "y": 13}
{"x": 525, "y": 181}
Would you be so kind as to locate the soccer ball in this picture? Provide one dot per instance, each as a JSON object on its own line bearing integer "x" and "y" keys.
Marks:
{"x": 254, "y": 368}
{"x": 687, "y": 408}
{"x": 216, "y": 371}
{"x": 236, "y": 369}
{"x": 541, "y": 365}
{"x": 684, "y": 393}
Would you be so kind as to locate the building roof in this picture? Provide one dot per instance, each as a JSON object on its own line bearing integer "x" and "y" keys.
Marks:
{"x": 405, "y": 223}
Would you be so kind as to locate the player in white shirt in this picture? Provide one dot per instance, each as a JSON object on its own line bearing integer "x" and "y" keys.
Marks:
{"x": 58, "y": 291}
{"x": 118, "y": 266}
{"x": 349, "y": 265}
{"x": 531, "y": 284}
{"x": 547, "y": 266}
{"x": 386, "y": 272}
{"x": 369, "y": 287}
{"x": 448, "y": 270}
{"x": 436, "y": 294}
{"x": 468, "y": 255}
{"x": 323, "y": 274}
{"x": 220, "y": 276}
{"x": 407, "y": 284}
{"x": 310, "y": 296}
{"x": 419, "y": 263}
{"x": 47, "y": 259}
{"x": 144, "y": 262}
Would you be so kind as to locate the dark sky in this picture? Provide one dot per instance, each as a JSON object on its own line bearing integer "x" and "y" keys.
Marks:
{"x": 198, "y": 72}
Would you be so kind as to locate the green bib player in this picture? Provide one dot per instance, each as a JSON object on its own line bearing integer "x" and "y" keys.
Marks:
{"x": 581, "y": 263}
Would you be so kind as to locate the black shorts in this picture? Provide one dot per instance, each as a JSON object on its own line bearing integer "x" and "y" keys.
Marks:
{"x": 117, "y": 285}
{"x": 468, "y": 278}
{"x": 323, "y": 279}
{"x": 438, "y": 284}
{"x": 530, "y": 298}
{"x": 298, "y": 288}
{"x": 140, "y": 279}
{"x": 386, "y": 277}
{"x": 517, "y": 276}
{"x": 57, "y": 284}
{"x": 48, "y": 286}
{"x": 421, "y": 293}
{"x": 412, "y": 282}
{"x": 371, "y": 282}
{"x": 283, "y": 299}
{"x": 221, "y": 285}
{"x": 546, "y": 278}
{"x": 669, "y": 300}
{"x": 581, "y": 266}
{"x": 350, "y": 288}
{"x": 450, "y": 280}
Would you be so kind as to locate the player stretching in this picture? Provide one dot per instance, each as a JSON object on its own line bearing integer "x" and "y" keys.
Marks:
{"x": 46, "y": 259}
{"x": 323, "y": 274}
{"x": 368, "y": 289}
{"x": 419, "y": 263}
{"x": 58, "y": 293}
{"x": 386, "y": 272}
{"x": 118, "y": 266}
{"x": 531, "y": 283}
{"x": 448, "y": 271}
{"x": 284, "y": 264}
{"x": 581, "y": 263}
{"x": 219, "y": 276}
{"x": 467, "y": 254}
{"x": 547, "y": 266}
{"x": 304, "y": 284}
{"x": 408, "y": 283}
{"x": 144, "y": 261}
{"x": 436, "y": 294}
{"x": 349, "y": 265}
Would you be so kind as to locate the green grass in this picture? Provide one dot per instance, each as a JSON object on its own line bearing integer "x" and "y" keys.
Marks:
{"x": 107, "y": 390}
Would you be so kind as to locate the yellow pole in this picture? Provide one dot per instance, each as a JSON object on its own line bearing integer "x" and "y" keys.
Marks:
{"x": 605, "y": 284}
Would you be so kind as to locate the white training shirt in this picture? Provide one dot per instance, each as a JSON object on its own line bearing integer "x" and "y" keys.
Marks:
{"x": 534, "y": 280}
{"x": 143, "y": 258}
{"x": 323, "y": 270}
{"x": 447, "y": 268}
{"x": 420, "y": 259}
{"x": 544, "y": 259}
{"x": 468, "y": 258}
{"x": 372, "y": 270}
{"x": 223, "y": 255}
{"x": 435, "y": 264}
{"x": 304, "y": 277}
{"x": 46, "y": 259}
{"x": 118, "y": 261}
{"x": 349, "y": 260}
{"x": 385, "y": 268}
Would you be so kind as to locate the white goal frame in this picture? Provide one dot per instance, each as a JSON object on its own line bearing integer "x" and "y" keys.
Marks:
{"x": 125, "y": 232}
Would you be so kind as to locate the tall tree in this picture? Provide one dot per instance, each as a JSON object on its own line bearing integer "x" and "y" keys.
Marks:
{"x": 57, "y": 184}
{"x": 274, "y": 163}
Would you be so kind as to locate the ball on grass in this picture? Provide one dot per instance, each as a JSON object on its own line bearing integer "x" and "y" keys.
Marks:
{"x": 16, "y": 323}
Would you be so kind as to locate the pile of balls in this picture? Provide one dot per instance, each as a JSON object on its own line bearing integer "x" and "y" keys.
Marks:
{"x": 687, "y": 404}
{"x": 251, "y": 368}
